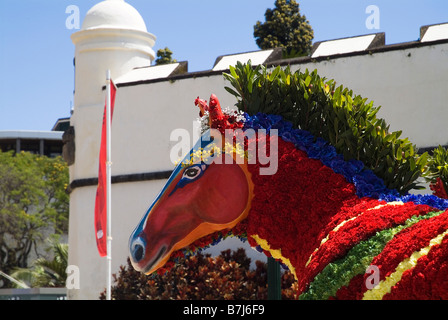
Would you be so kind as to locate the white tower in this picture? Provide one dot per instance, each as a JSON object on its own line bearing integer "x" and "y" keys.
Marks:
{"x": 113, "y": 37}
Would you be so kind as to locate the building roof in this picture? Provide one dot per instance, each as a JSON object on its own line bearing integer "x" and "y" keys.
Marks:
{"x": 330, "y": 49}
{"x": 61, "y": 124}
{"x": 31, "y": 135}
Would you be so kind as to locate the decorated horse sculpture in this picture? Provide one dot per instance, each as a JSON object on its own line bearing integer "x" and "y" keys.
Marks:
{"x": 331, "y": 222}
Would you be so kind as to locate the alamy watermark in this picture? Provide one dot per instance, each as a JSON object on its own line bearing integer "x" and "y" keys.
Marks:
{"x": 73, "y": 21}
{"x": 373, "y": 279}
{"x": 373, "y": 20}
{"x": 257, "y": 150}
{"x": 73, "y": 277}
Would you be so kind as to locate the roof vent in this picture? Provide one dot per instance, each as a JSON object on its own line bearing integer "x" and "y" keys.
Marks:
{"x": 434, "y": 32}
{"x": 256, "y": 58}
{"x": 348, "y": 45}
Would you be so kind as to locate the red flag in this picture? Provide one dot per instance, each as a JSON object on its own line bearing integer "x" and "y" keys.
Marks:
{"x": 101, "y": 192}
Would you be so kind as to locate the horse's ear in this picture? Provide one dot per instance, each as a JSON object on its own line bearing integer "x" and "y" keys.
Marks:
{"x": 202, "y": 104}
{"x": 214, "y": 103}
{"x": 214, "y": 110}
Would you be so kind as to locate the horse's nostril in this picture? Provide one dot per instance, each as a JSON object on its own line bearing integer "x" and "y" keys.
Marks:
{"x": 138, "y": 252}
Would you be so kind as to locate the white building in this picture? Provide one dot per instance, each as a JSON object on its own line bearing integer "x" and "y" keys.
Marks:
{"x": 409, "y": 80}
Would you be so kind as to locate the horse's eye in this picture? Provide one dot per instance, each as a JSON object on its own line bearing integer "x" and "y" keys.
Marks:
{"x": 192, "y": 172}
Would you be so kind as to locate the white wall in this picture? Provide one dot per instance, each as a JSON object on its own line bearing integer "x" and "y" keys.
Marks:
{"x": 144, "y": 118}
{"x": 410, "y": 84}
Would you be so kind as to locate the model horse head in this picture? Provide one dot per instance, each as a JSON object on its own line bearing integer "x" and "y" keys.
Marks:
{"x": 326, "y": 218}
{"x": 207, "y": 192}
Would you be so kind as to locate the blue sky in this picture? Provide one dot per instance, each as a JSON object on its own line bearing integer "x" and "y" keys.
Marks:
{"x": 36, "y": 53}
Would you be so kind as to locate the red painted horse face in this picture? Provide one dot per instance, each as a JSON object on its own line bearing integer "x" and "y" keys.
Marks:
{"x": 197, "y": 200}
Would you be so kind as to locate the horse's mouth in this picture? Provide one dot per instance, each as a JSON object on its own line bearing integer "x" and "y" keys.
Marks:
{"x": 150, "y": 266}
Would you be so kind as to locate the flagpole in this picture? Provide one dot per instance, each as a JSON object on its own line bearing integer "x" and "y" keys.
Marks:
{"x": 109, "y": 186}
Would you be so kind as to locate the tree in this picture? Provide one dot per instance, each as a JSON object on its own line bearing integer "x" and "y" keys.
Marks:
{"x": 285, "y": 27}
{"x": 201, "y": 277}
{"x": 46, "y": 272}
{"x": 164, "y": 56}
{"x": 33, "y": 202}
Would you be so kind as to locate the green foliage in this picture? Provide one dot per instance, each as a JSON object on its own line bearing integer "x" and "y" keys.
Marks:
{"x": 438, "y": 167}
{"x": 32, "y": 200}
{"x": 333, "y": 113}
{"x": 164, "y": 56}
{"x": 285, "y": 27}
{"x": 46, "y": 272}
{"x": 201, "y": 277}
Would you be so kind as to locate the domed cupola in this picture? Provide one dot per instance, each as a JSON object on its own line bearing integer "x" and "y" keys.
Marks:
{"x": 113, "y": 37}
{"x": 115, "y": 14}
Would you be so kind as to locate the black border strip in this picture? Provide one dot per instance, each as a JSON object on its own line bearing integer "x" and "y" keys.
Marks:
{"x": 430, "y": 150}
{"x": 161, "y": 175}
{"x": 148, "y": 176}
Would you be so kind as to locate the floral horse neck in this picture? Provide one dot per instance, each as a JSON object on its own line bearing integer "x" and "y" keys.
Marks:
{"x": 331, "y": 222}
